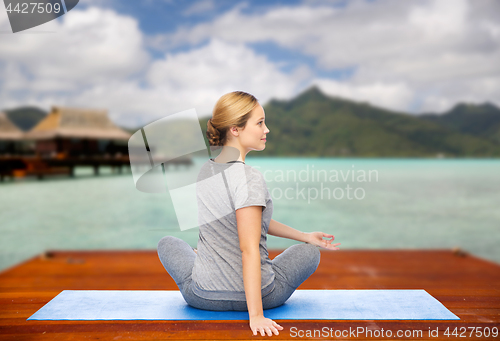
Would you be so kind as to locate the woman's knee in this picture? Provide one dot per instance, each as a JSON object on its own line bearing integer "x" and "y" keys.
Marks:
{"x": 167, "y": 248}
{"x": 167, "y": 242}
{"x": 299, "y": 256}
{"x": 312, "y": 253}
{"x": 170, "y": 245}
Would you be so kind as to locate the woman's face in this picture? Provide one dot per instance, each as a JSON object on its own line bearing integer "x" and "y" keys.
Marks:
{"x": 253, "y": 136}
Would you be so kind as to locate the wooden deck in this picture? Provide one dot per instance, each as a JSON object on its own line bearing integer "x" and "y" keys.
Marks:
{"x": 468, "y": 286}
{"x": 31, "y": 165}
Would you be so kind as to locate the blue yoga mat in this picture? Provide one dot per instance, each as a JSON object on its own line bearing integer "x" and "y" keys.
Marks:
{"x": 302, "y": 305}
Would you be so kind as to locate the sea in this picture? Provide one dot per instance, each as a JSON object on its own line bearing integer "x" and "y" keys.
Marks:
{"x": 366, "y": 203}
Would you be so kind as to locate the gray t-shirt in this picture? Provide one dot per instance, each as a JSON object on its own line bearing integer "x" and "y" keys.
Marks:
{"x": 221, "y": 189}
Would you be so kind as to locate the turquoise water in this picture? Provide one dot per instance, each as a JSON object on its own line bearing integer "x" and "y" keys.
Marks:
{"x": 407, "y": 203}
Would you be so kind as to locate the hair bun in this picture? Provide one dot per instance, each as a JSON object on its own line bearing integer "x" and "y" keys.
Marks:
{"x": 213, "y": 134}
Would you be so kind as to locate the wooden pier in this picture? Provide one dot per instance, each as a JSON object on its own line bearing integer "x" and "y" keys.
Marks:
{"x": 467, "y": 285}
{"x": 26, "y": 166}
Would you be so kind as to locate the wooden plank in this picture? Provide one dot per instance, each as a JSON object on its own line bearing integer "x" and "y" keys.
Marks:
{"x": 467, "y": 285}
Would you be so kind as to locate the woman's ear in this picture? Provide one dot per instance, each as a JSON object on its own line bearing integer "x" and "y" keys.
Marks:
{"x": 234, "y": 131}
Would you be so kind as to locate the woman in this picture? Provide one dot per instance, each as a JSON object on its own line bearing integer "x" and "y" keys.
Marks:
{"x": 231, "y": 269}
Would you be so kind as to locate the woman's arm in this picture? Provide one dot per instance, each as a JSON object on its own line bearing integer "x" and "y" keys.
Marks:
{"x": 284, "y": 231}
{"x": 315, "y": 238}
{"x": 249, "y": 220}
{"x": 249, "y": 230}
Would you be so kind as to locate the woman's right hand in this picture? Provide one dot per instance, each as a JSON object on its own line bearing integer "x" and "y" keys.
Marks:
{"x": 316, "y": 238}
{"x": 264, "y": 325}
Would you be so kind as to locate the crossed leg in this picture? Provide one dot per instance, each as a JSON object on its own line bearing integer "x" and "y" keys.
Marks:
{"x": 292, "y": 267}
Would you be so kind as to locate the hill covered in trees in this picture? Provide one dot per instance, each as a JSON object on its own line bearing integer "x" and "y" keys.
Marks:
{"x": 478, "y": 120}
{"x": 314, "y": 124}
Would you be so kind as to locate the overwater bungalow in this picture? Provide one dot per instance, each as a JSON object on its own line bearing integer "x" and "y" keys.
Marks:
{"x": 64, "y": 139}
{"x": 76, "y": 132}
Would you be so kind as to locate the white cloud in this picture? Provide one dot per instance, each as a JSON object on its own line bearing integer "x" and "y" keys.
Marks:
{"x": 90, "y": 49}
{"x": 426, "y": 55}
{"x": 97, "y": 59}
{"x": 388, "y": 95}
{"x": 222, "y": 65}
{"x": 87, "y": 47}
{"x": 429, "y": 46}
{"x": 197, "y": 79}
{"x": 198, "y": 7}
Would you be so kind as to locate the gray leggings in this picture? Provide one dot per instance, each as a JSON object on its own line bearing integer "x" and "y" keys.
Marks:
{"x": 292, "y": 267}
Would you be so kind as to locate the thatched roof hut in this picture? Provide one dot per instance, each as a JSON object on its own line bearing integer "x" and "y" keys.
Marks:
{"x": 8, "y": 130}
{"x": 66, "y": 122}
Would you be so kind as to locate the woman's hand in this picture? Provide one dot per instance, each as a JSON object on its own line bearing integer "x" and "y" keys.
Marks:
{"x": 316, "y": 238}
{"x": 264, "y": 325}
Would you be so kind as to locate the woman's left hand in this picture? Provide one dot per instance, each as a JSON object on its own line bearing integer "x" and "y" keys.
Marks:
{"x": 316, "y": 238}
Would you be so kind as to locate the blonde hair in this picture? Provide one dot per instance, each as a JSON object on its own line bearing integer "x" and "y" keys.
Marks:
{"x": 232, "y": 109}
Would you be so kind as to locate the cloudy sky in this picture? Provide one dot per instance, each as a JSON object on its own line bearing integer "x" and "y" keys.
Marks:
{"x": 144, "y": 60}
